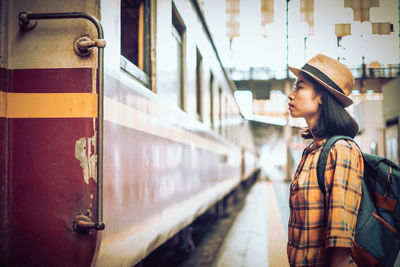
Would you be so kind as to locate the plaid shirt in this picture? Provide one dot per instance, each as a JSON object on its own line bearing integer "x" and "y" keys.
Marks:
{"x": 313, "y": 229}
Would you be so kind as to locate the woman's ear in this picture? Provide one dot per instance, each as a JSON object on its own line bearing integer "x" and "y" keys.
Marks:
{"x": 320, "y": 98}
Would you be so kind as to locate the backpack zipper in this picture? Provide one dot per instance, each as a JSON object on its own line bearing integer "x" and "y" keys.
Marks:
{"x": 388, "y": 181}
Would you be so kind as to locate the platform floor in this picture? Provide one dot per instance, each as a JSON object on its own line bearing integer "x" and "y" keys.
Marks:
{"x": 258, "y": 236}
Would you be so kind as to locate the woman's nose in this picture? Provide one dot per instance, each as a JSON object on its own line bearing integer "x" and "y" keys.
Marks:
{"x": 291, "y": 95}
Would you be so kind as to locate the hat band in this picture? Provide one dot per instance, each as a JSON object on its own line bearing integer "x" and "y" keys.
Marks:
{"x": 320, "y": 75}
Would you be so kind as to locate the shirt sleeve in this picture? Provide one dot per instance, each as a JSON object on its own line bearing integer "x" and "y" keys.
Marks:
{"x": 343, "y": 178}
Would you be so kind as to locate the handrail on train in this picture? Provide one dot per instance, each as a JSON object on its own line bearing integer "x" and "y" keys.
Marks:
{"x": 26, "y": 21}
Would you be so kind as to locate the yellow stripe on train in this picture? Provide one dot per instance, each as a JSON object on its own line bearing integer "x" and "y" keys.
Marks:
{"x": 48, "y": 105}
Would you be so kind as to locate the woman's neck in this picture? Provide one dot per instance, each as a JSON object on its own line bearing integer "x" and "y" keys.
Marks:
{"x": 312, "y": 122}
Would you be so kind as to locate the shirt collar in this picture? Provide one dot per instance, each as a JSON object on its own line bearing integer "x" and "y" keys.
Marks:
{"x": 314, "y": 147}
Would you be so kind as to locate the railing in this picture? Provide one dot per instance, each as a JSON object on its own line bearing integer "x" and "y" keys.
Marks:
{"x": 389, "y": 71}
{"x": 265, "y": 73}
{"x": 256, "y": 73}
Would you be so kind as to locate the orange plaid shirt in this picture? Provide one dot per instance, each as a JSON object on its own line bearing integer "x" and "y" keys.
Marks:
{"x": 315, "y": 223}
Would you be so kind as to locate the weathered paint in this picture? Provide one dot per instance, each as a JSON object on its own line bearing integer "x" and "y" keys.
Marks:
{"x": 46, "y": 191}
{"x": 86, "y": 153}
{"x": 50, "y": 43}
{"x": 42, "y": 183}
{"x": 48, "y": 101}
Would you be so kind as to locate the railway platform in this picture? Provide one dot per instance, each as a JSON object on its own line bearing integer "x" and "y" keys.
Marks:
{"x": 258, "y": 235}
{"x": 252, "y": 233}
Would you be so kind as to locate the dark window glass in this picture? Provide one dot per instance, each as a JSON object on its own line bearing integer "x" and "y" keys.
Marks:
{"x": 199, "y": 63}
{"x": 132, "y": 31}
{"x": 178, "y": 52}
{"x": 212, "y": 100}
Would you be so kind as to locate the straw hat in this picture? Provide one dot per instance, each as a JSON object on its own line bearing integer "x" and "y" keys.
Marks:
{"x": 332, "y": 74}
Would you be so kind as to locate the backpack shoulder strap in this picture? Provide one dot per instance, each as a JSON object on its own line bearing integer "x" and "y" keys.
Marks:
{"x": 323, "y": 158}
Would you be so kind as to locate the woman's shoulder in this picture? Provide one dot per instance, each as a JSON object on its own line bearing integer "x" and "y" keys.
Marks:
{"x": 346, "y": 147}
{"x": 345, "y": 143}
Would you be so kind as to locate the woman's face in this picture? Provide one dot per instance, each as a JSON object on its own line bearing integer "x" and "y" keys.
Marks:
{"x": 304, "y": 101}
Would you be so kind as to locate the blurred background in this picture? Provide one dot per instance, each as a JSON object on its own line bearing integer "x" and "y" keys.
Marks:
{"x": 258, "y": 39}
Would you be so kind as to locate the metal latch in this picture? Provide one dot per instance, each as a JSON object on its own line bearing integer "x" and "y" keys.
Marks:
{"x": 83, "y": 45}
{"x": 82, "y": 224}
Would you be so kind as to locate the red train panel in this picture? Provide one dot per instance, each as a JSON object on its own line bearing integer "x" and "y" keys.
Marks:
{"x": 43, "y": 185}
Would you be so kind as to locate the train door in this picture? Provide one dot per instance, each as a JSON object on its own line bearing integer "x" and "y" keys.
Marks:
{"x": 49, "y": 123}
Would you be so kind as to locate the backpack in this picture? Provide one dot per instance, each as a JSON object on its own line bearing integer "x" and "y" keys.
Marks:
{"x": 377, "y": 231}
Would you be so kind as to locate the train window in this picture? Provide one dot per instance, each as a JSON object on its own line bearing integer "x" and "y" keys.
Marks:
{"x": 226, "y": 124}
{"x": 220, "y": 110}
{"x": 212, "y": 100}
{"x": 199, "y": 77}
{"x": 135, "y": 43}
{"x": 178, "y": 52}
{"x": 228, "y": 119}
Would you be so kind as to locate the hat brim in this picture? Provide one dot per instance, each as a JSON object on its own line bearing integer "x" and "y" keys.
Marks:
{"x": 345, "y": 100}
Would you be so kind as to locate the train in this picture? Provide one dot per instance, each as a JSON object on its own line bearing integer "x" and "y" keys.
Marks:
{"x": 119, "y": 128}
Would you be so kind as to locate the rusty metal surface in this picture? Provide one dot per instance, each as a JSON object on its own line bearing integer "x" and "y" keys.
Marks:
{"x": 49, "y": 44}
{"x": 46, "y": 190}
{"x": 43, "y": 187}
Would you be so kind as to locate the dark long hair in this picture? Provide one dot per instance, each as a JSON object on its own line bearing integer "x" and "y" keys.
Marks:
{"x": 334, "y": 119}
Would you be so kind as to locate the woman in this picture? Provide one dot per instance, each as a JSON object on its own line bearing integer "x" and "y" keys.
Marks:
{"x": 321, "y": 227}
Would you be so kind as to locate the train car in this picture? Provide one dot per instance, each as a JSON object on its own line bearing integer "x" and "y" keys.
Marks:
{"x": 118, "y": 129}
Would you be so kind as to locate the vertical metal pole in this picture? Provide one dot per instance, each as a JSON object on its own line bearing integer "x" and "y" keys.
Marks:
{"x": 305, "y": 48}
{"x": 287, "y": 127}
{"x": 287, "y": 38}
